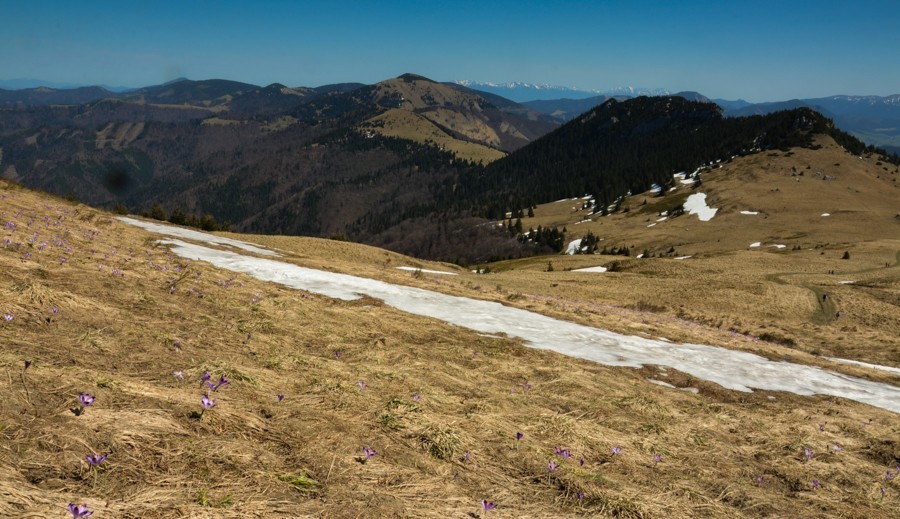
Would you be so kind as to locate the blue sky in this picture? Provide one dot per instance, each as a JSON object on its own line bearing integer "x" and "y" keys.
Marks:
{"x": 759, "y": 50}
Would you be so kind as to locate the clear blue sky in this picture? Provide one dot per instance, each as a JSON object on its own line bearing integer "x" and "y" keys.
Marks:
{"x": 756, "y": 50}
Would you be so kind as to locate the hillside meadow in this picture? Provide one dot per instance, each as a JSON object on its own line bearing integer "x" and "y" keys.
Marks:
{"x": 385, "y": 414}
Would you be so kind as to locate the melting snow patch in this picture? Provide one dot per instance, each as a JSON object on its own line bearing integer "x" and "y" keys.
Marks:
{"x": 690, "y": 390}
{"x": 696, "y": 204}
{"x": 682, "y": 257}
{"x": 652, "y": 225}
{"x": 660, "y": 383}
{"x": 639, "y": 256}
{"x": 895, "y": 371}
{"x": 750, "y": 212}
{"x": 590, "y": 269}
{"x": 778, "y": 246}
{"x": 846, "y": 282}
{"x": 574, "y": 245}
{"x": 826, "y": 214}
{"x": 755, "y": 244}
{"x": 426, "y": 271}
{"x": 663, "y": 219}
{"x": 179, "y": 232}
{"x": 732, "y": 369}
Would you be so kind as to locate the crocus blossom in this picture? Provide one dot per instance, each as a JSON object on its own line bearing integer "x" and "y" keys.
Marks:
{"x": 79, "y": 511}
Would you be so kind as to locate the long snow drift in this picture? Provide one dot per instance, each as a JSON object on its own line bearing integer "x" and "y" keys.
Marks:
{"x": 731, "y": 369}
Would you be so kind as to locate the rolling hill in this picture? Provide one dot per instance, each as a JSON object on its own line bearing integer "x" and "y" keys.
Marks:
{"x": 344, "y": 408}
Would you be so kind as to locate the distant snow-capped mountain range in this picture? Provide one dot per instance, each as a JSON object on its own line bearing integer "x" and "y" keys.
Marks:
{"x": 522, "y": 92}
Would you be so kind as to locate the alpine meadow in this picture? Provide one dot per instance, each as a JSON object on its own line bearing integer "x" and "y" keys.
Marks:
{"x": 420, "y": 278}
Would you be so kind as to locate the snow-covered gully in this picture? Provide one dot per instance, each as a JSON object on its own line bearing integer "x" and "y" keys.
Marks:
{"x": 736, "y": 370}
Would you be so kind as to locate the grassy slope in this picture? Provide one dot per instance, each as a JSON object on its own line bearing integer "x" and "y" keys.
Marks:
{"x": 409, "y": 125}
{"x": 253, "y": 457}
{"x": 760, "y": 290}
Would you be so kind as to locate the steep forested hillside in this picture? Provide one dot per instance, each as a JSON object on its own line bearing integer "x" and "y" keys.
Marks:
{"x": 628, "y": 146}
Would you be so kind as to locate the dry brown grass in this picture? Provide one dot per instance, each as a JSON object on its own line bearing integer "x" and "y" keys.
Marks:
{"x": 420, "y": 128}
{"x": 251, "y": 456}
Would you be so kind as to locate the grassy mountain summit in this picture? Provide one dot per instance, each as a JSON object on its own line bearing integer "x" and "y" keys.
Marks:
{"x": 452, "y": 117}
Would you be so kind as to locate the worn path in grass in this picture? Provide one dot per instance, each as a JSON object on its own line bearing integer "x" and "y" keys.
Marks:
{"x": 826, "y": 311}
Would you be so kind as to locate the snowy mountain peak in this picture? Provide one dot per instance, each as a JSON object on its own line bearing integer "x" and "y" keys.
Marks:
{"x": 521, "y": 91}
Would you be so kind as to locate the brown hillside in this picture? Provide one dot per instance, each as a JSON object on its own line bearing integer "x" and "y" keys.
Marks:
{"x": 463, "y": 115}
{"x": 128, "y": 315}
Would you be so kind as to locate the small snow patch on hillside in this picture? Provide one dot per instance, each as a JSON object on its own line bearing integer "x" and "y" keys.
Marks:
{"x": 778, "y": 246}
{"x": 889, "y": 369}
{"x": 826, "y": 214}
{"x": 696, "y": 204}
{"x": 755, "y": 244}
{"x": 590, "y": 269}
{"x": 750, "y": 212}
{"x": 573, "y": 247}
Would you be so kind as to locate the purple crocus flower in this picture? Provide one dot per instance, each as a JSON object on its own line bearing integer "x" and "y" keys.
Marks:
{"x": 86, "y": 399}
{"x": 95, "y": 459}
{"x": 369, "y": 452}
{"x": 581, "y": 495}
{"x": 79, "y": 511}
{"x": 416, "y": 397}
{"x": 616, "y": 451}
{"x": 280, "y": 397}
{"x": 222, "y": 381}
{"x": 206, "y": 376}
{"x": 178, "y": 374}
{"x": 816, "y": 484}
{"x": 27, "y": 364}
{"x": 207, "y": 402}
{"x": 362, "y": 385}
{"x": 808, "y": 454}
{"x": 8, "y": 317}
{"x": 657, "y": 458}
{"x": 822, "y": 427}
{"x": 581, "y": 462}
{"x": 760, "y": 480}
{"x": 488, "y": 505}
{"x": 837, "y": 448}
{"x": 469, "y": 454}
{"x": 888, "y": 475}
{"x": 519, "y": 436}
{"x": 552, "y": 466}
